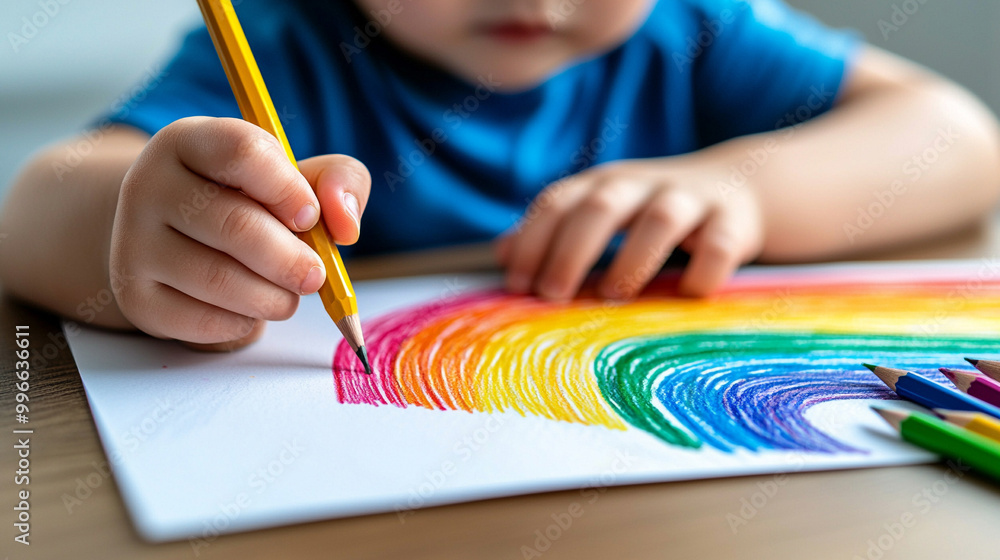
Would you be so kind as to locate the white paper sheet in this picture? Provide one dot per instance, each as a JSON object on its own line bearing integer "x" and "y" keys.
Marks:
{"x": 208, "y": 443}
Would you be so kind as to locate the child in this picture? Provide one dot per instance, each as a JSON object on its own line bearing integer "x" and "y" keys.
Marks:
{"x": 736, "y": 131}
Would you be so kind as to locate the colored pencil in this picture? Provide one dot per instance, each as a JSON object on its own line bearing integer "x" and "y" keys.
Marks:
{"x": 974, "y": 384}
{"x": 990, "y": 368}
{"x": 973, "y": 421}
{"x": 917, "y": 388}
{"x": 938, "y": 436}
{"x": 255, "y": 104}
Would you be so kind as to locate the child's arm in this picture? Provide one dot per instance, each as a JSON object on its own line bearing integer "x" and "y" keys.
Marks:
{"x": 141, "y": 234}
{"x": 904, "y": 155}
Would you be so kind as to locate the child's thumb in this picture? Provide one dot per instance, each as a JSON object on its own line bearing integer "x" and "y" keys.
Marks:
{"x": 342, "y": 186}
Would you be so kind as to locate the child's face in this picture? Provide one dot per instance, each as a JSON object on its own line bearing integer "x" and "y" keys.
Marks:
{"x": 519, "y": 42}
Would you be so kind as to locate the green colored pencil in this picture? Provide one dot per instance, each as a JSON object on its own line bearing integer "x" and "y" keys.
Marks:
{"x": 938, "y": 436}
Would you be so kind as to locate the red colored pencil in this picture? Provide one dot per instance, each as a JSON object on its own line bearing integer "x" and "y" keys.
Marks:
{"x": 975, "y": 385}
{"x": 990, "y": 368}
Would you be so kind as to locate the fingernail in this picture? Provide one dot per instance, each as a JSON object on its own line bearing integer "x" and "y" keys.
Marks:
{"x": 306, "y": 218}
{"x": 353, "y": 209}
{"x": 552, "y": 291}
{"x": 314, "y": 280}
{"x": 609, "y": 292}
{"x": 518, "y": 283}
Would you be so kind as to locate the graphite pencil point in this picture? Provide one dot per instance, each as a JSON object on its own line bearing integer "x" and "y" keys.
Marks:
{"x": 363, "y": 356}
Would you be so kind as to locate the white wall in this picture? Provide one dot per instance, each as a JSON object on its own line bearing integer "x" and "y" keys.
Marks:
{"x": 75, "y": 65}
{"x": 957, "y": 38}
{"x": 89, "y": 53}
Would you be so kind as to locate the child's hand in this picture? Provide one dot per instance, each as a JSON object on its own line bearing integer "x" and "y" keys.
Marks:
{"x": 662, "y": 203}
{"x": 202, "y": 248}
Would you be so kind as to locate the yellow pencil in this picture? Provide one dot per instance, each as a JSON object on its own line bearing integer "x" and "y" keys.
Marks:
{"x": 256, "y": 106}
{"x": 982, "y": 424}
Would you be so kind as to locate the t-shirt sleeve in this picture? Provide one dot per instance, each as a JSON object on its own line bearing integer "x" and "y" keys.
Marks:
{"x": 192, "y": 84}
{"x": 766, "y": 67}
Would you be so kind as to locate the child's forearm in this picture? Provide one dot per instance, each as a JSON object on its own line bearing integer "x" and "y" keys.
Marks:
{"x": 910, "y": 157}
{"x": 57, "y": 223}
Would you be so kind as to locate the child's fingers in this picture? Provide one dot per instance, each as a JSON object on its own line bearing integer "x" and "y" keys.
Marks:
{"x": 169, "y": 313}
{"x": 243, "y": 229}
{"x": 584, "y": 233}
{"x": 534, "y": 231}
{"x": 218, "y": 279}
{"x": 240, "y": 155}
{"x": 229, "y": 346}
{"x": 501, "y": 248}
{"x": 669, "y": 216}
{"x": 342, "y": 186}
{"x": 727, "y": 239}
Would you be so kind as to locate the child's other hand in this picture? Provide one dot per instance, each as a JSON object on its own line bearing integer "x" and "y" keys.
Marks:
{"x": 661, "y": 203}
{"x": 202, "y": 248}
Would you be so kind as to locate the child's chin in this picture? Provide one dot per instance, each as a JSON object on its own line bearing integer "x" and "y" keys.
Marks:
{"x": 506, "y": 78}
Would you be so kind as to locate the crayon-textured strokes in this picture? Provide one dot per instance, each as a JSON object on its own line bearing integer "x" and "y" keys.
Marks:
{"x": 738, "y": 371}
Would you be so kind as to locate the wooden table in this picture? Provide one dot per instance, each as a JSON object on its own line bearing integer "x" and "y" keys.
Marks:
{"x": 907, "y": 512}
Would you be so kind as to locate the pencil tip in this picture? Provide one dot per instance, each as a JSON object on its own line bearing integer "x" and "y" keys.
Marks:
{"x": 888, "y": 376}
{"x": 972, "y": 361}
{"x": 363, "y": 356}
{"x": 893, "y": 416}
{"x": 962, "y": 379}
{"x": 960, "y": 417}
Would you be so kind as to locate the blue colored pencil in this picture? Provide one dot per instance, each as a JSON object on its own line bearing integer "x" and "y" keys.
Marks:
{"x": 917, "y": 388}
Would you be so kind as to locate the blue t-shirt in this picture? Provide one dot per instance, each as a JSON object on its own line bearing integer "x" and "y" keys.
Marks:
{"x": 453, "y": 161}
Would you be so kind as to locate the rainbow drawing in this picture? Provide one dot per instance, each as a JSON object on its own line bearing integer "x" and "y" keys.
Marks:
{"x": 736, "y": 371}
